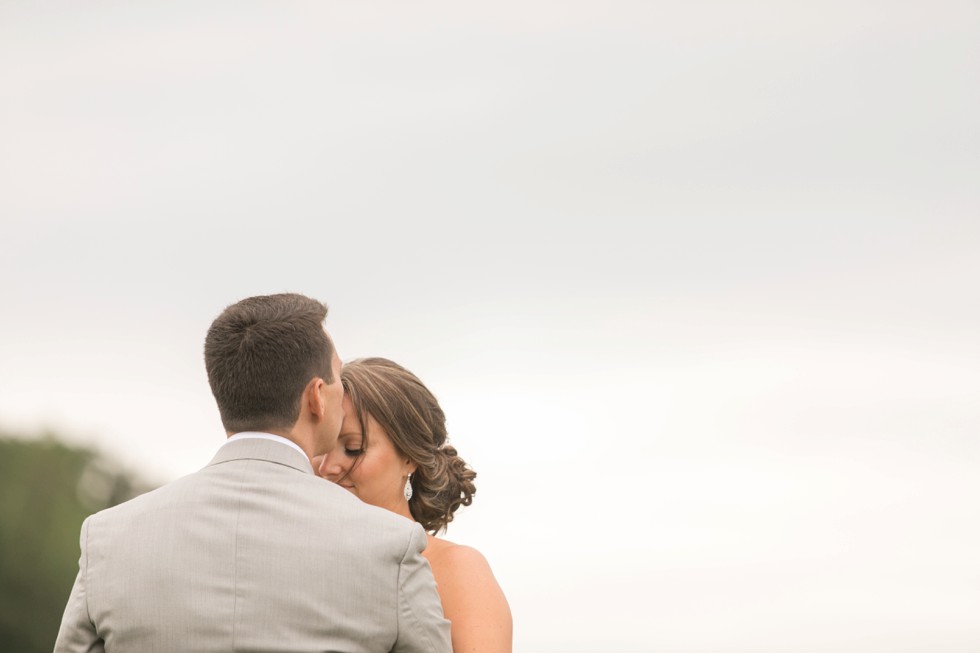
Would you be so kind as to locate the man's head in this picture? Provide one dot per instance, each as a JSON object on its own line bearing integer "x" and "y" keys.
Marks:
{"x": 269, "y": 362}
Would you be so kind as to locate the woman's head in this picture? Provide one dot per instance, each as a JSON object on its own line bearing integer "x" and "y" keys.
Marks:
{"x": 394, "y": 427}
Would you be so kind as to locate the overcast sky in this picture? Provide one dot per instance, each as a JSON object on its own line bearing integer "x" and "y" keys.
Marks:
{"x": 696, "y": 283}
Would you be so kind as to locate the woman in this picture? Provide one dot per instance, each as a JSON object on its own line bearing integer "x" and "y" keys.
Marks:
{"x": 392, "y": 453}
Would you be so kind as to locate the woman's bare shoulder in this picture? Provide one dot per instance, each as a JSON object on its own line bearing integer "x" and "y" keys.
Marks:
{"x": 455, "y": 558}
{"x": 471, "y": 598}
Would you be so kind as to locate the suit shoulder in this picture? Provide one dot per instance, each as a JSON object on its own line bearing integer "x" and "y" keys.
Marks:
{"x": 142, "y": 503}
{"x": 344, "y": 500}
{"x": 383, "y": 519}
{"x": 346, "y": 510}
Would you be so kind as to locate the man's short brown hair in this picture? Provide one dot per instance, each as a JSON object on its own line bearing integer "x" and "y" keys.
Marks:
{"x": 260, "y": 355}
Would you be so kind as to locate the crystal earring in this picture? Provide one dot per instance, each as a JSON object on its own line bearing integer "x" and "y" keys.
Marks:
{"x": 408, "y": 487}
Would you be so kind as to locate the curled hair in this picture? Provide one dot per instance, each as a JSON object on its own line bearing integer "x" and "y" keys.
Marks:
{"x": 416, "y": 426}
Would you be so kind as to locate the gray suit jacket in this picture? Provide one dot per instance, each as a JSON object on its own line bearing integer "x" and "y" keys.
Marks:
{"x": 252, "y": 554}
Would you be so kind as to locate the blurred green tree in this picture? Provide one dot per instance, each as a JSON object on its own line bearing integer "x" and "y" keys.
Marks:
{"x": 47, "y": 488}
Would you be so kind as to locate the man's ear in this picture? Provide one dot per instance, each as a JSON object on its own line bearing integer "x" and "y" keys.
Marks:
{"x": 313, "y": 396}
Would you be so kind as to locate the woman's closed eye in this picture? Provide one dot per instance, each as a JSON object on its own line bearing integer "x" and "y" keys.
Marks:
{"x": 350, "y": 452}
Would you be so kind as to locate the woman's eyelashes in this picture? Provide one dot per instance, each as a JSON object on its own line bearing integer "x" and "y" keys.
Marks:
{"x": 351, "y": 452}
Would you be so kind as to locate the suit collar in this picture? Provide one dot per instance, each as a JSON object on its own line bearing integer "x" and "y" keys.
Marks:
{"x": 261, "y": 449}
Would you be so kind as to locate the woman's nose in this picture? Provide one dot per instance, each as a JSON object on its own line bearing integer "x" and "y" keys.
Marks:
{"x": 317, "y": 463}
{"x": 327, "y": 468}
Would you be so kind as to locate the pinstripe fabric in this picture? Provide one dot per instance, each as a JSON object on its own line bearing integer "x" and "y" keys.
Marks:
{"x": 252, "y": 554}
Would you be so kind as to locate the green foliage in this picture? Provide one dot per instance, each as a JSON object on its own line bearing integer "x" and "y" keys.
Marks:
{"x": 47, "y": 488}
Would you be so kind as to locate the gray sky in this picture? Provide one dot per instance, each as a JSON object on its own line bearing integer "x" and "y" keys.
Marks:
{"x": 695, "y": 282}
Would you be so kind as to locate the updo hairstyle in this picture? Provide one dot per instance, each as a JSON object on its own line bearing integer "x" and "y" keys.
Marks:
{"x": 416, "y": 425}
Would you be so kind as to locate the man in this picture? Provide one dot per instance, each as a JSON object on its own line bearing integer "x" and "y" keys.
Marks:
{"x": 254, "y": 552}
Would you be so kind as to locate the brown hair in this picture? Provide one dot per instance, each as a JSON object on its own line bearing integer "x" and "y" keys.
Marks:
{"x": 260, "y": 354}
{"x": 416, "y": 425}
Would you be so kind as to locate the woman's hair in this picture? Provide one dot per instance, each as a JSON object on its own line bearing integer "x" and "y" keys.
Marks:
{"x": 416, "y": 425}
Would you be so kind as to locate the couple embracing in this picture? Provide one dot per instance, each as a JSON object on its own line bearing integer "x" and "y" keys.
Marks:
{"x": 312, "y": 529}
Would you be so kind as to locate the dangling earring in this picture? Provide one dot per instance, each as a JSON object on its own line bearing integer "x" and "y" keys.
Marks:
{"x": 408, "y": 487}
